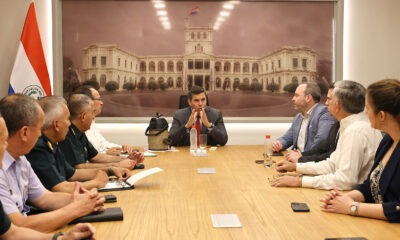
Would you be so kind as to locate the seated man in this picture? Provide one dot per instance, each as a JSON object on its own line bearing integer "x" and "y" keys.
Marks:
{"x": 350, "y": 163}
{"x": 311, "y": 125}
{"x": 93, "y": 134}
{"x": 18, "y": 182}
{"x": 211, "y": 121}
{"x": 320, "y": 152}
{"x": 10, "y": 231}
{"x": 49, "y": 162}
{"x": 78, "y": 150}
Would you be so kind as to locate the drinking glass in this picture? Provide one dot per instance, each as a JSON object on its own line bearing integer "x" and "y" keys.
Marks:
{"x": 203, "y": 141}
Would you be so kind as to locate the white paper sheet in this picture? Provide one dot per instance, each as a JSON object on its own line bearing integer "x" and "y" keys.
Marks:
{"x": 206, "y": 170}
{"x": 136, "y": 177}
{"x": 225, "y": 220}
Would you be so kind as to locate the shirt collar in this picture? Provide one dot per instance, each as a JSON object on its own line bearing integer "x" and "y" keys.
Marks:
{"x": 8, "y": 160}
{"x": 309, "y": 112}
{"x": 75, "y": 131}
{"x": 49, "y": 144}
{"x": 347, "y": 121}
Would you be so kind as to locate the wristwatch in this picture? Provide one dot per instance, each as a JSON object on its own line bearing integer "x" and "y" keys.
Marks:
{"x": 211, "y": 127}
{"x": 354, "y": 208}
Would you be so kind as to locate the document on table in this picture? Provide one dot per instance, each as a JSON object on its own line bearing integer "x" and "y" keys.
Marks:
{"x": 136, "y": 177}
{"x": 206, "y": 170}
{"x": 225, "y": 220}
{"x": 115, "y": 184}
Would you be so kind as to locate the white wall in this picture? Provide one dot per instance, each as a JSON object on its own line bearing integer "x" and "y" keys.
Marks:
{"x": 371, "y": 40}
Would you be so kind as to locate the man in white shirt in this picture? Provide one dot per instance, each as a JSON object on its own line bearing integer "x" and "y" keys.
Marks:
{"x": 350, "y": 163}
{"x": 93, "y": 134}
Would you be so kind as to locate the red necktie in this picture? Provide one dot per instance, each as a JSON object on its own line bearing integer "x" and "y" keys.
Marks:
{"x": 198, "y": 129}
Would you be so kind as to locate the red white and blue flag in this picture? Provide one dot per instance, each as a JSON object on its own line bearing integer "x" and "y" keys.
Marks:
{"x": 194, "y": 11}
{"x": 30, "y": 75}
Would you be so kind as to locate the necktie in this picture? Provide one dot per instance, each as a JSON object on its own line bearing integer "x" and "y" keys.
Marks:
{"x": 198, "y": 129}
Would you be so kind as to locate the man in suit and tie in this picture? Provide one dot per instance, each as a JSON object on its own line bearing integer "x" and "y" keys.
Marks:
{"x": 206, "y": 119}
{"x": 311, "y": 125}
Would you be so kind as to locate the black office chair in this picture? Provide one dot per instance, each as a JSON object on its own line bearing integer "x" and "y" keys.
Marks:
{"x": 183, "y": 101}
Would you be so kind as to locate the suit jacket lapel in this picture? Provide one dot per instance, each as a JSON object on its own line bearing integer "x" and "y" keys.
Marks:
{"x": 391, "y": 166}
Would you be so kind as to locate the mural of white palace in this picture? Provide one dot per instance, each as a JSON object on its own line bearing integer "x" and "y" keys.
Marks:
{"x": 199, "y": 66}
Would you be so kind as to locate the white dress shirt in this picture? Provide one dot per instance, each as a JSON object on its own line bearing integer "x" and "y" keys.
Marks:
{"x": 352, "y": 160}
{"x": 301, "y": 139}
{"x": 97, "y": 140}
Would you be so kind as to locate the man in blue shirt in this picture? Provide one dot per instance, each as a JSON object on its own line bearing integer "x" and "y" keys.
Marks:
{"x": 10, "y": 231}
{"x": 18, "y": 182}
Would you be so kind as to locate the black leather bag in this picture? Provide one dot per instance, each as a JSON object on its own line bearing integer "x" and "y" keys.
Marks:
{"x": 157, "y": 133}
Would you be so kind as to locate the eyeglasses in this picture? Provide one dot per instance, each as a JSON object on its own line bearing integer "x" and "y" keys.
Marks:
{"x": 97, "y": 99}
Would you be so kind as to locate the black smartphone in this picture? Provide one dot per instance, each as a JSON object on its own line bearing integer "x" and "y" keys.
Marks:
{"x": 277, "y": 154}
{"x": 259, "y": 161}
{"x": 110, "y": 198}
{"x": 139, "y": 166}
{"x": 299, "y": 207}
{"x": 347, "y": 238}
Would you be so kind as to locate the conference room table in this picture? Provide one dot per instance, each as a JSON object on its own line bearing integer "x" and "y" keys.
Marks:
{"x": 178, "y": 202}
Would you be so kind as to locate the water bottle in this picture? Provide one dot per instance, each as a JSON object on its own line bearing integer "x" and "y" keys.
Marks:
{"x": 193, "y": 139}
{"x": 267, "y": 151}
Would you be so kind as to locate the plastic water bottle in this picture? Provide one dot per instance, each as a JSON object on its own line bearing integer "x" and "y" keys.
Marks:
{"x": 193, "y": 139}
{"x": 267, "y": 151}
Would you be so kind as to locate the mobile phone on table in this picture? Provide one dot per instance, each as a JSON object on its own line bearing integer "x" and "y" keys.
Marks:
{"x": 299, "y": 207}
{"x": 110, "y": 198}
{"x": 347, "y": 238}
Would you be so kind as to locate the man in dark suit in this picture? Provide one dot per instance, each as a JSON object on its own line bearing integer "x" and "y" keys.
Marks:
{"x": 211, "y": 121}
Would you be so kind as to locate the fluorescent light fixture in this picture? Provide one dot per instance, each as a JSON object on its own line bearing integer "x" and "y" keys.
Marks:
{"x": 220, "y": 19}
{"x": 224, "y": 13}
{"x": 159, "y": 5}
{"x": 163, "y": 18}
{"x": 162, "y": 13}
{"x": 228, "y": 6}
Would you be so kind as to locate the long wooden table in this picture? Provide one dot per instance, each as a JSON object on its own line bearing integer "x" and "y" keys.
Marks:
{"x": 177, "y": 203}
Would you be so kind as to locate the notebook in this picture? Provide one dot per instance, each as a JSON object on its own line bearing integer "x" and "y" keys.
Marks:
{"x": 109, "y": 214}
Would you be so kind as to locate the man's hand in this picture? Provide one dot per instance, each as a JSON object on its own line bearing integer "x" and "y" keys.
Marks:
{"x": 192, "y": 119}
{"x": 136, "y": 156}
{"x": 127, "y": 163}
{"x": 101, "y": 178}
{"x": 277, "y": 146}
{"x": 86, "y": 201}
{"x": 80, "y": 231}
{"x": 126, "y": 148}
{"x": 115, "y": 151}
{"x": 204, "y": 118}
{"x": 286, "y": 181}
{"x": 121, "y": 173}
{"x": 293, "y": 156}
{"x": 285, "y": 166}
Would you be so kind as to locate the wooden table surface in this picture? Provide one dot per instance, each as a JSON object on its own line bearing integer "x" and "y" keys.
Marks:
{"x": 177, "y": 203}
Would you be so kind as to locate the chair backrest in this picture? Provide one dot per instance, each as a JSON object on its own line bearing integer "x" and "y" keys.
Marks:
{"x": 183, "y": 101}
